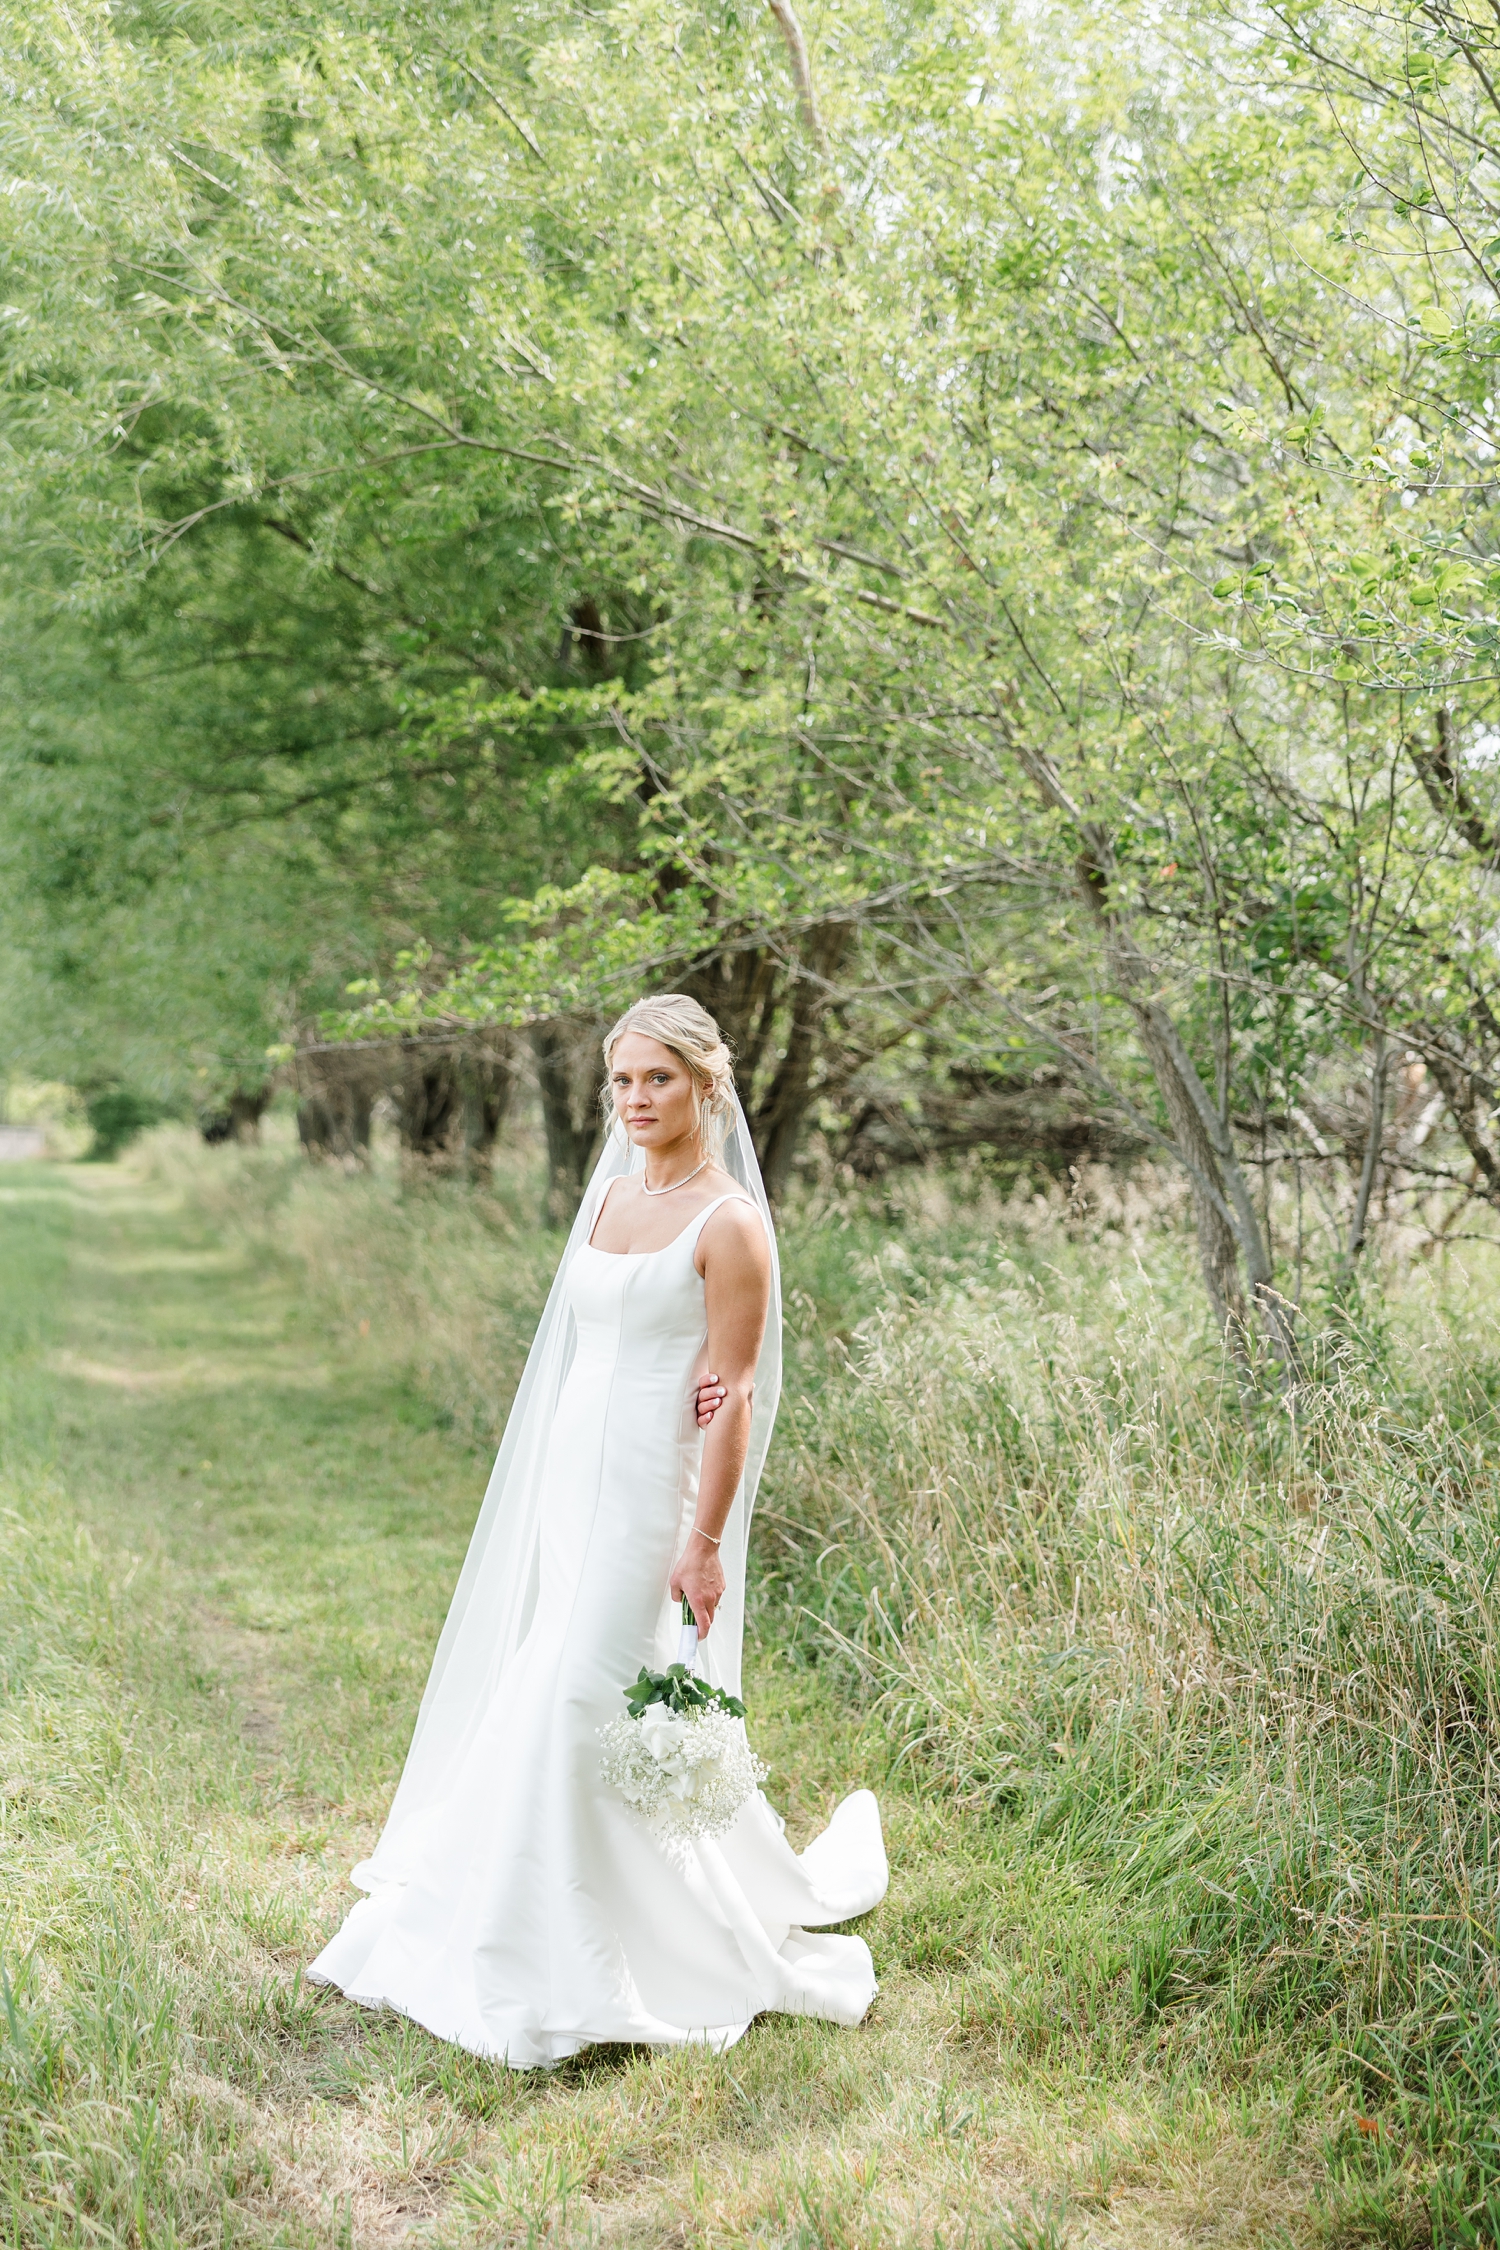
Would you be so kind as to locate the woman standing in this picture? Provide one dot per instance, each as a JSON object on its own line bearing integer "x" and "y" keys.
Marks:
{"x": 516, "y": 1905}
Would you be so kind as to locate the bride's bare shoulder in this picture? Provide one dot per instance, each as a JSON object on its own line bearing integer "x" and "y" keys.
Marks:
{"x": 735, "y": 1232}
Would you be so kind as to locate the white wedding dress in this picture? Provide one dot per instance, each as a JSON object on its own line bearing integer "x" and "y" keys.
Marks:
{"x": 532, "y": 1914}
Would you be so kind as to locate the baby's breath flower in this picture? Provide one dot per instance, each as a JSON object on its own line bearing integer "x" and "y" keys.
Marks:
{"x": 686, "y": 1773}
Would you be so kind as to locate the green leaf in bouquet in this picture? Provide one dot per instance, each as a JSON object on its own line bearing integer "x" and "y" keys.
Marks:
{"x": 681, "y": 1690}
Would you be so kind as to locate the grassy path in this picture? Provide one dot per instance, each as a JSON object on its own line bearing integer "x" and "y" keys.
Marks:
{"x": 228, "y": 1538}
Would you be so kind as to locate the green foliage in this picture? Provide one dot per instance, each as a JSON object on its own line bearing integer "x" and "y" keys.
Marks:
{"x": 117, "y": 1114}
{"x": 544, "y": 542}
{"x": 680, "y": 1690}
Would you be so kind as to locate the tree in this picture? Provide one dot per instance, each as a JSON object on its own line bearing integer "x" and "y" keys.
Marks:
{"x": 741, "y": 516}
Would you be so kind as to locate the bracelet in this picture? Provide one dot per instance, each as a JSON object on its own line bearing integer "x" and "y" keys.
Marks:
{"x": 702, "y": 1534}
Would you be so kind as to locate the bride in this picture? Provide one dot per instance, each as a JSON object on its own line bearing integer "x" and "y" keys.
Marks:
{"x": 516, "y": 1906}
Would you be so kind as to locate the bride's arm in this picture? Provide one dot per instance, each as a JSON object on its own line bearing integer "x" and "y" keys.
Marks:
{"x": 737, "y": 1286}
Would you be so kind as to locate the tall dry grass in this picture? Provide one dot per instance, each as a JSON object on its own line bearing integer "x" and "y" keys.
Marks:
{"x": 1237, "y": 1667}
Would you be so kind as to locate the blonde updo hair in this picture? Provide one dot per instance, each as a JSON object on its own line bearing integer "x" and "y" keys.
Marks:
{"x": 694, "y": 1038}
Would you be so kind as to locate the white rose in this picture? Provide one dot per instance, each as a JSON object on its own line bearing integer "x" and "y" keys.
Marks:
{"x": 663, "y": 1732}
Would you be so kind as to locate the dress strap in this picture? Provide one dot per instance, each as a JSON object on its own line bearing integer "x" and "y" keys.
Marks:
{"x": 599, "y": 1213}
{"x": 694, "y": 1227}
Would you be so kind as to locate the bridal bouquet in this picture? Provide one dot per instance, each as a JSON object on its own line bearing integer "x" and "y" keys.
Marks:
{"x": 681, "y": 1759}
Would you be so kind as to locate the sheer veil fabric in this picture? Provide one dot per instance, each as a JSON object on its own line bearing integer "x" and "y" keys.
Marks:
{"x": 495, "y": 1599}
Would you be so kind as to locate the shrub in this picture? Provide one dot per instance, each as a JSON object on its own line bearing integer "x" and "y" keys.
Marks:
{"x": 117, "y": 1114}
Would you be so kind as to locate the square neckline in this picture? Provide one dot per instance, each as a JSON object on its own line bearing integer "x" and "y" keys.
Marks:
{"x": 734, "y": 1195}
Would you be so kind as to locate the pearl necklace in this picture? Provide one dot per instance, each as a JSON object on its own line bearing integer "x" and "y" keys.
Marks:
{"x": 703, "y": 1167}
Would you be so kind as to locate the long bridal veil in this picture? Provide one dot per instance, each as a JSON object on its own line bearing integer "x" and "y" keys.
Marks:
{"x": 496, "y": 1593}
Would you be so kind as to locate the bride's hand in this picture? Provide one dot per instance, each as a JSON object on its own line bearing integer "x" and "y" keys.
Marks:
{"x": 698, "y": 1579}
{"x": 711, "y": 1396}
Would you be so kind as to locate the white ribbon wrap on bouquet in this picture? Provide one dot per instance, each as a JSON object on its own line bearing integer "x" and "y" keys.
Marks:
{"x": 496, "y": 1593}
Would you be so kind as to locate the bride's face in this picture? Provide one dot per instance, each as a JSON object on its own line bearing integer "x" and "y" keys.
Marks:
{"x": 653, "y": 1093}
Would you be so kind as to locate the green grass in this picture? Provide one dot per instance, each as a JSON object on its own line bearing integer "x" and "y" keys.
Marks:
{"x": 1182, "y": 1724}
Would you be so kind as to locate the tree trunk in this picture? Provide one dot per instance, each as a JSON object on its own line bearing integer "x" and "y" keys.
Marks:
{"x": 1442, "y": 777}
{"x": 245, "y": 1113}
{"x": 568, "y": 1074}
{"x": 1374, "y": 1141}
{"x": 358, "y": 1109}
{"x": 315, "y": 1127}
{"x": 487, "y": 1081}
{"x": 239, "y": 1119}
{"x": 1463, "y": 1094}
{"x": 429, "y": 1106}
{"x": 1229, "y": 1228}
{"x": 1218, "y": 1243}
{"x": 333, "y": 1118}
{"x": 778, "y": 1118}
{"x": 807, "y": 97}
{"x": 741, "y": 991}
{"x": 1228, "y": 1225}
